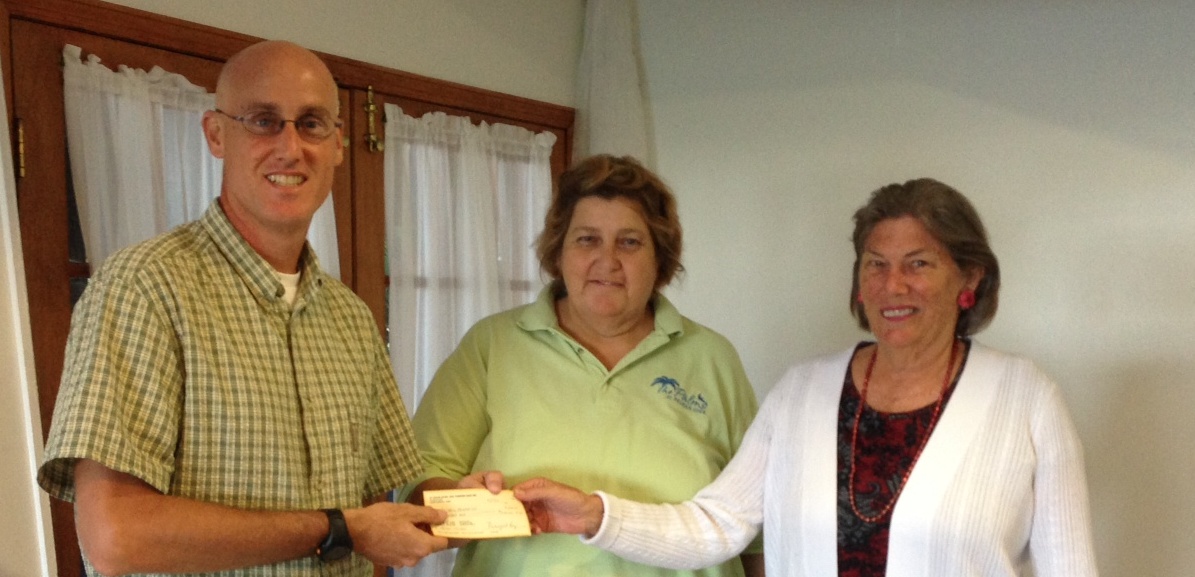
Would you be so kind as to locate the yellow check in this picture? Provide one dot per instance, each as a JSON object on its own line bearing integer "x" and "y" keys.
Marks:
{"x": 478, "y": 514}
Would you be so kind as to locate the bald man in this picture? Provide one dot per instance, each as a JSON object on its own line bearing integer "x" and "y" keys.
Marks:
{"x": 225, "y": 405}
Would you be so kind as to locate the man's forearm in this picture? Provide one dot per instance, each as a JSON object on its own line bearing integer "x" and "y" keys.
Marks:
{"x": 127, "y": 526}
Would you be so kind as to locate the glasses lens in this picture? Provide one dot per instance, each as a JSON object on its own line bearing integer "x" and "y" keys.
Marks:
{"x": 314, "y": 126}
{"x": 264, "y": 123}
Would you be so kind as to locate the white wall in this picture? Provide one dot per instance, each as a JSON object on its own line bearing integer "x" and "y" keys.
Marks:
{"x": 527, "y": 48}
{"x": 1071, "y": 126}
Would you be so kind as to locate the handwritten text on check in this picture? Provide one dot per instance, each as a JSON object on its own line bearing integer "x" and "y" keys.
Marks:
{"x": 478, "y": 514}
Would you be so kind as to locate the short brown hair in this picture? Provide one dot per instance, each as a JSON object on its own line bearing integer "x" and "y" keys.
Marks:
{"x": 610, "y": 177}
{"x": 951, "y": 219}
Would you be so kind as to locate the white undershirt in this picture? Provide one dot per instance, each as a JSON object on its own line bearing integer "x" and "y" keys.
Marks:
{"x": 290, "y": 282}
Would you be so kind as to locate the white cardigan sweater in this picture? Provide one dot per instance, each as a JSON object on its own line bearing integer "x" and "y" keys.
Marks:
{"x": 999, "y": 489}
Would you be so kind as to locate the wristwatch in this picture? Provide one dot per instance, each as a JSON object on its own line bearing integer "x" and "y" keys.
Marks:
{"x": 338, "y": 544}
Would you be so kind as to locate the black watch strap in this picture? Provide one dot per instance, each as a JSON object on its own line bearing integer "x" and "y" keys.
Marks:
{"x": 338, "y": 544}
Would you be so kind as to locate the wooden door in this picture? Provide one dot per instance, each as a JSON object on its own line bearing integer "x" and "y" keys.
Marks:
{"x": 56, "y": 268}
{"x": 36, "y": 30}
{"x": 55, "y": 273}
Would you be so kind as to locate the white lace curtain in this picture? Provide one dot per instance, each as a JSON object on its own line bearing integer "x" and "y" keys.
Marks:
{"x": 464, "y": 204}
{"x": 139, "y": 162}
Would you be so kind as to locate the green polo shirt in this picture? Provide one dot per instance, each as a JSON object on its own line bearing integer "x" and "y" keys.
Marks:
{"x": 187, "y": 369}
{"x": 521, "y": 396}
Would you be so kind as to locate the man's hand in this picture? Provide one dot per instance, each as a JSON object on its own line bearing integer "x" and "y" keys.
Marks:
{"x": 557, "y": 508}
{"x": 392, "y": 534}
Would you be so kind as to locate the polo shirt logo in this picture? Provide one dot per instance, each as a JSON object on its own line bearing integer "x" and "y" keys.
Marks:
{"x": 669, "y": 388}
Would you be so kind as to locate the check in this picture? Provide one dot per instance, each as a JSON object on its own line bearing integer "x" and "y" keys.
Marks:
{"x": 478, "y": 514}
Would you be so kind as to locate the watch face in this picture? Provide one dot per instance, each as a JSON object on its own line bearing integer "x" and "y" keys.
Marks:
{"x": 338, "y": 544}
{"x": 335, "y": 552}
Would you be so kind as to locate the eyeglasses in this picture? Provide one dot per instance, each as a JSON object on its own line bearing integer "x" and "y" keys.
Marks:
{"x": 311, "y": 127}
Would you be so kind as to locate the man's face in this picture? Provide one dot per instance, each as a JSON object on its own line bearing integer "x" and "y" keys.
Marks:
{"x": 273, "y": 184}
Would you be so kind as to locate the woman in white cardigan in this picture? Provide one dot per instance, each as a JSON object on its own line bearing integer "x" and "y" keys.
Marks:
{"x": 921, "y": 454}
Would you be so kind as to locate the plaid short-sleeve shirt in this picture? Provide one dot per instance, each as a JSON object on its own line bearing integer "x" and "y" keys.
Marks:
{"x": 187, "y": 369}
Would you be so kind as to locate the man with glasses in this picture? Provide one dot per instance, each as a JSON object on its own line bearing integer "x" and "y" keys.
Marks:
{"x": 225, "y": 405}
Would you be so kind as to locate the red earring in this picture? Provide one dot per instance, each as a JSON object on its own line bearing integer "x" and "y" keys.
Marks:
{"x": 966, "y": 299}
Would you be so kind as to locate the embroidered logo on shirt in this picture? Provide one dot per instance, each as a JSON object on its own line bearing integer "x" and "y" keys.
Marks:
{"x": 671, "y": 389}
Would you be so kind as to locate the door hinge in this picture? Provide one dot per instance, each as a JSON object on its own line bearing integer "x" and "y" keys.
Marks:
{"x": 20, "y": 148}
{"x": 372, "y": 141}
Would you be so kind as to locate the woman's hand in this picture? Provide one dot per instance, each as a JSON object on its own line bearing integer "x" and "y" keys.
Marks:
{"x": 494, "y": 481}
{"x": 557, "y": 508}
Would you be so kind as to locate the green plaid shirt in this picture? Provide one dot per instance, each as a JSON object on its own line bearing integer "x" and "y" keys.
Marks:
{"x": 186, "y": 368}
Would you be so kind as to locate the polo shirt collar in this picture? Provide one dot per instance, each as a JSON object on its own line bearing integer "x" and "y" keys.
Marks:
{"x": 254, "y": 271}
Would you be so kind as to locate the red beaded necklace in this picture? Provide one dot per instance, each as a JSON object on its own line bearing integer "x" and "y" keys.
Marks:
{"x": 855, "y": 437}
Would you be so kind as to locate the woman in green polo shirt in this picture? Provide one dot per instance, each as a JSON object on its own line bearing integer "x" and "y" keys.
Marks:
{"x": 600, "y": 382}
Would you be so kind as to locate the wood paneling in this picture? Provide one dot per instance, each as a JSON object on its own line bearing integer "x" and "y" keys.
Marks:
{"x": 369, "y": 211}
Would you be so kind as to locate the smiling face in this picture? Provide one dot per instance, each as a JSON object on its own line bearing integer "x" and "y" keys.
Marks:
{"x": 272, "y": 185}
{"x": 608, "y": 262}
{"x": 909, "y": 285}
